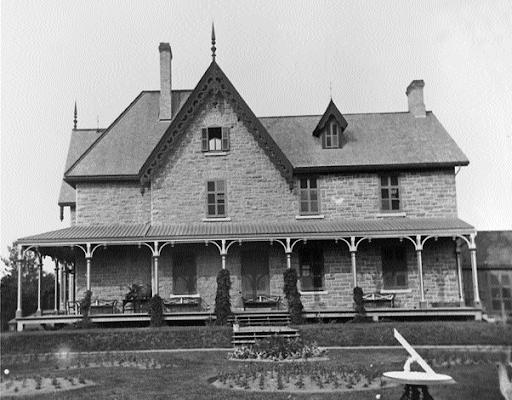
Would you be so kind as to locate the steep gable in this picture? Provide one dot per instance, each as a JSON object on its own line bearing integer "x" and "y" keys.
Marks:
{"x": 214, "y": 81}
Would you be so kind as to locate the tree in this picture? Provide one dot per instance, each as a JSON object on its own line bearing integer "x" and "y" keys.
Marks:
{"x": 29, "y": 279}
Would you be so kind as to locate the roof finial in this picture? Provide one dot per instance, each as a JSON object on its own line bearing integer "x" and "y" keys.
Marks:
{"x": 75, "y": 119}
{"x": 97, "y": 123}
{"x": 213, "y": 42}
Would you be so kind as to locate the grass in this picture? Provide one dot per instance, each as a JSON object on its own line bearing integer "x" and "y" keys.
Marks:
{"x": 186, "y": 375}
{"x": 115, "y": 339}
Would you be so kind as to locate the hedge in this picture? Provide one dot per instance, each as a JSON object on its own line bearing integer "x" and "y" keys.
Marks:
{"x": 349, "y": 334}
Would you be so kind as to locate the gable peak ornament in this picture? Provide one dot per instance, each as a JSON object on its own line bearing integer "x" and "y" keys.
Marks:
{"x": 214, "y": 49}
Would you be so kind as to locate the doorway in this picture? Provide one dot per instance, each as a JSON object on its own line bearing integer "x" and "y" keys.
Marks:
{"x": 255, "y": 273}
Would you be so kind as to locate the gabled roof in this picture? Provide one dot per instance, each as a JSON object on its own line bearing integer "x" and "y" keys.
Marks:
{"x": 214, "y": 81}
{"x": 371, "y": 141}
{"x": 295, "y": 229}
{"x": 81, "y": 139}
{"x": 331, "y": 112}
{"x": 124, "y": 147}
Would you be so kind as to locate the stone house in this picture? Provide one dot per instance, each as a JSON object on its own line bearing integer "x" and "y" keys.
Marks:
{"x": 187, "y": 182}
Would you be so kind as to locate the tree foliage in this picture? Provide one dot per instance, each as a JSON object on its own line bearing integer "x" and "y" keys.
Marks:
{"x": 29, "y": 284}
{"x": 223, "y": 298}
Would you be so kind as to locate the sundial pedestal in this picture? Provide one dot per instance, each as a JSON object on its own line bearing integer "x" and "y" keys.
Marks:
{"x": 416, "y": 392}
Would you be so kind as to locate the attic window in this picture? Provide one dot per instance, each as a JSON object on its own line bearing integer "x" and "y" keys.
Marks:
{"x": 331, "y": 136}
{"x": 215, "y": 139}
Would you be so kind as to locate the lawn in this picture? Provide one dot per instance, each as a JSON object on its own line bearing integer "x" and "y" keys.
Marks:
{"x": 186, "y": 375}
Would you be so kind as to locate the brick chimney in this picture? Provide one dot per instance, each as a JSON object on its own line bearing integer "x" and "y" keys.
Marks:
{"x": 165, "y": 81}
{"x": 415, "y": 99}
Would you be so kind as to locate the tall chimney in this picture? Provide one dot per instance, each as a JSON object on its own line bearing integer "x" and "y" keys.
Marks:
{"x": 165, "y": 81}
{"x": 415, "y": 99}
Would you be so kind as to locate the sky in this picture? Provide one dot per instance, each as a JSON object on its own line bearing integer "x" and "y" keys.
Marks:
{"x": 285, "y": 58}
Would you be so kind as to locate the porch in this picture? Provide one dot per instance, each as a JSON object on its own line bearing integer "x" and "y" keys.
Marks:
{"x": 416, "y": 263}
{"x": 50, "y": 320}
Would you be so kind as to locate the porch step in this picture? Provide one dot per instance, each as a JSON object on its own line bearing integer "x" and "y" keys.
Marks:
{"x": 266, "y": 319}
{"x": 249, "y": 335}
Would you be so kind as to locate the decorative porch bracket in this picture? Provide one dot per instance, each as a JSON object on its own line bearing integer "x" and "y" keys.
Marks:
{"x": 472, "y": 251}
{"x": 223, "y": 248}
{"x": 288, "y": 249}
{"x": 89, "y": 252}
{"x": 352, "y": 248}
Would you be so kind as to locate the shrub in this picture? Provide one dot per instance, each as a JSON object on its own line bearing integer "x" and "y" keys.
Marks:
{"x": 223, "y": 298}
{"x": 85, "y": 305}
{"x": 156, "y": 311}
{"x": 292, "y": 295}
{"x": 360, "y": 310}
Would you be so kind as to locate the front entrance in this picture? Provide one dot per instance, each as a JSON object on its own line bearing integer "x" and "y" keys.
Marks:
{"x": 255, "y": 273}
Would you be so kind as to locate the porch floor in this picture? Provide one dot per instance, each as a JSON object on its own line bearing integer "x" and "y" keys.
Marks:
{"x": 51, "y": 320}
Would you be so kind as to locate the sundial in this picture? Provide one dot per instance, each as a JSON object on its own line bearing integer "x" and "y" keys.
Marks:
{"x": 416, "y": 381}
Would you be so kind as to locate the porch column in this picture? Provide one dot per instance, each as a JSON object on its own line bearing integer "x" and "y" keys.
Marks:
{"x": 156, "y": 284}
{"x": 62, "y": 296}
{"x": 353, "y": 251}
{"x": 459, "y": 274}
{"x": 88, "y": 262}
{"x": 19, "y": 263}
{"x": 288, "y": 251}
{"x": 472, "y": 251}
{"x": 419, "y": 248}
{"x": 56, "y": 288}
{"x": 39, "y": 264}
{"x": 223, "y": 253}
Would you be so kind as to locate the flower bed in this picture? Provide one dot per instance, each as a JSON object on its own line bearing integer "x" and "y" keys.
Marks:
{"x": 278, "y": 348}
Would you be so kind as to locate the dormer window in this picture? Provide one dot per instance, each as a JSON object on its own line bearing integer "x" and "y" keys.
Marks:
{"x": 331, "y": 136}
{"x": 215, "y": 139}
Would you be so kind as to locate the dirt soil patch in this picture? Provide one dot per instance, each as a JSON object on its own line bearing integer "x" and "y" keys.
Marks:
{"x": 37, "y": 386}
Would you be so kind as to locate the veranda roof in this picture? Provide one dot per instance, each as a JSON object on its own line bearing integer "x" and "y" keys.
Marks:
{"x": 390, "y": 227}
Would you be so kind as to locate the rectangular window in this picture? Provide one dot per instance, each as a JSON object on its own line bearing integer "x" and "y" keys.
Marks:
{"x": 311, "y": 269}
{"x": 215, "y": 138}
{"x": 216, "y": 198}
{"x": 331, "y": 136}
{"x": 184, "y": 274}
{"x": 309, "y": 196}
{"x": 390, "y": 193}
{"x": 394, "y": 267}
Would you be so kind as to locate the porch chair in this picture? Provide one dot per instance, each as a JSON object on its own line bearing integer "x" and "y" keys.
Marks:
{"x": 73, "y": 308}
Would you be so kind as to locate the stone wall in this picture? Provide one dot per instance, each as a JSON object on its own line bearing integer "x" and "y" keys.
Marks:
{"x": 112, "y": 203}
{"x": 429, "y": 194}
{"x": 117, "y": 267}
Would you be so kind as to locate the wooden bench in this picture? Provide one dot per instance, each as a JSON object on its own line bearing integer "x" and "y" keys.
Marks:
{"x": 183, "y": 300}
{"x": 261, "y": 301}
{"x": 103, "y": 306}
{"x": 379, "y": 298}
{"x": 137, "y": 305}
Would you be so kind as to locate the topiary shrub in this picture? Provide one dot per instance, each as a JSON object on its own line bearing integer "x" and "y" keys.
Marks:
{"x": 222, "y": 298}
{"x": 292, "y": 295}
{"x": 156, "y": 311}
{"x": 359, "y": 305}
{"x": 85, "y": 304}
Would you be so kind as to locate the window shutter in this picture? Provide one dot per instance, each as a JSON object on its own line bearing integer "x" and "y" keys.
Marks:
{"x": 324, "y": 134}
{"x": 204, "y": 139}
{"x": 225, "y": 139}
